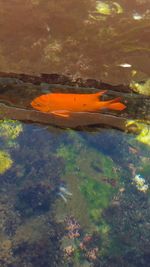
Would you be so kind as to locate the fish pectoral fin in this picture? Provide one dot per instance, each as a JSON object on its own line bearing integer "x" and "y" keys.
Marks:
{"x": 61, "y": 113}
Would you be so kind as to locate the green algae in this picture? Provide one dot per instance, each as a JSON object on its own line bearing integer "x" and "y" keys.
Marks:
{"x": 95, "y": 181}
{"x": 5, "y": 161}
{"x": 85, "y": 160}
{"x": 98, "y": 196}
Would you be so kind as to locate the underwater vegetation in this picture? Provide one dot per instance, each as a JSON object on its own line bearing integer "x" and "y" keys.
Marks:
{"x": 85, "y": 166}
{"x": 115, "y": 145}
{"x": 39, "y": 228}
{"x": 80, "y": 248}
{"x": 104, "y": 183}
{"x": 97, "y": 178}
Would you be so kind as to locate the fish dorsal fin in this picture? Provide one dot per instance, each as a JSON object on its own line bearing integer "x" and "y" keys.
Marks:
{"x": 98, "y": 94}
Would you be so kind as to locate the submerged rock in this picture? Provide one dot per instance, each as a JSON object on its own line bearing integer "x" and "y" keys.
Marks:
{"x": 93, "y": 179}
{"x": 38, "y": 243}
{"x": 35, "y": 199}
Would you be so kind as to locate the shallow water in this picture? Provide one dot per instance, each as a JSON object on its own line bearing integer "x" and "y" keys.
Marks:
{"x": 74, "y": 197}
{"x": 69, "y": 198}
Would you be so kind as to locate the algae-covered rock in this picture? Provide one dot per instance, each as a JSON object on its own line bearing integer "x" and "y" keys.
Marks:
{"x": 5, "y": 161}
{"x": 86, "y": 160}
{"x": 93, "y": 179}
{"x": 142, "y": 129}
{"x": 141, "y": 88}
{"x": 95, "y": 173}
{"x": 130, "y": 229}
{"x": 33, "y": 200}
{"x": 37, "y": 243}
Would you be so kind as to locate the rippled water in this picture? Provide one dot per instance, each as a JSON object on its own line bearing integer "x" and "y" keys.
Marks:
{"x": 74, "y": 197}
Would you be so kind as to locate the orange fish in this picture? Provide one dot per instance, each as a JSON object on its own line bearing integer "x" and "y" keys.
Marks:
{"x": 62, "y": 104}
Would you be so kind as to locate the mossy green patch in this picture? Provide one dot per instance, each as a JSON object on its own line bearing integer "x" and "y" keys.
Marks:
{"x": 5, "y": 161}
{"x": 10, "y": 128}
{"x": 98, "y": 196}
{"x": 9, "y": 131}
{"x": 95, "y": 173}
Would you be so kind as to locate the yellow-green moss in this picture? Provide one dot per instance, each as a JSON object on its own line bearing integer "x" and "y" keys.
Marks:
{"x": 108, "y": 8}
{"x": 10, "y": 129}
{"x": 142, "y": 129}
{"x": 141, "y": 88}
{"x": 5, "y": 161}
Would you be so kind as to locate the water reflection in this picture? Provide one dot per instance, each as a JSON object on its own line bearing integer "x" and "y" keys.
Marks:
{"x": 82, "y": 39}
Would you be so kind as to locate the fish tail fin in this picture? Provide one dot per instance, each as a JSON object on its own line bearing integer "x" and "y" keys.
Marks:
{"x": 115, "y": 104}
